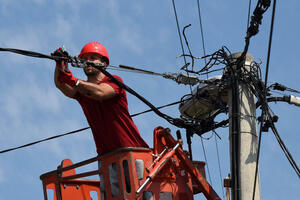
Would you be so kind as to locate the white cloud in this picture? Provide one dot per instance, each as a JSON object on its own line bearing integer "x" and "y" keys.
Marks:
{"x": 131, "y": 40}
{"x": 54, "y": 148}
{"x": 63, "y": 27}
{"x": 129, "y": 35}
{"x": 29, "y": 97}
{"x": 28, "y": 39}
{"x": 39, "y": 2}
{"x": 73, "y": 4}
{"x": 12, "y": 2}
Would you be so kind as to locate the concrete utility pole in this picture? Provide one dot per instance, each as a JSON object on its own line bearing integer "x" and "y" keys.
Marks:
{"x": 242, "y": 135}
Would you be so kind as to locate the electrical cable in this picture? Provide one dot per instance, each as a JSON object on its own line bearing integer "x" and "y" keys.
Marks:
{"x": 204, "y": 53}
{"x": 211, "y": 71}
{"x": 129, "y": 68}
{"x": 206, "y": 69}
{"x": 218, "y": 57}
{"x": 249, "y": 8}
{"x": 174, "y": 121}
{"x": 183, "y": 53}
{"x": 219, "y": 163}
{"x": 207, "y": 138}
{"x": 293, "y": 90}
{"x": 270, "y": 43}
{"x": 283, "y": 147}
{"x": 280, "y": 87}
{"x": 39, "y": 55}
{"x": 77, "y": 62}
{"x": 261, "y": 7}
{"x": 167, "y": 105}
{"x": 188, "y": 46}
{"x": 289, "y": 99}
{"x": 178, "y": 29}
{"x": 236, "y": 138}
{"x": 43, "y": 140}
{"x": 190, "y": 53}
{"x": 32, "y": 54}
{"x": 264, "y": 109}
{"x": 177, "y": 77}
{"x": 206, "y": 73}
{"x": 201, "y": 29}
{"x": 82, "y": 129}
{"x": 27, "y": 53}
{"x": 206, "y": 161}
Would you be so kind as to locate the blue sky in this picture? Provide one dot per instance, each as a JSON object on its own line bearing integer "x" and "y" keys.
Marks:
{"x": 141, "y": 34}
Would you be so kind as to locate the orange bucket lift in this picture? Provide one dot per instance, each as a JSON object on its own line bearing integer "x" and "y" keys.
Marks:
{"x": 164, "y": 172}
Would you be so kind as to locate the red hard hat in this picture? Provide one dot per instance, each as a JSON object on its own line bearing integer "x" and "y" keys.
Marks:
{"x": 94, "y": 47}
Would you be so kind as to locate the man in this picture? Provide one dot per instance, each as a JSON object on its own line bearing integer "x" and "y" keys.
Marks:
{"x": 103, "y": 102}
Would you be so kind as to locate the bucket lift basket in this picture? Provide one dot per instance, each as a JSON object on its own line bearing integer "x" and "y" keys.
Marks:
{"x": 164, "y": 172}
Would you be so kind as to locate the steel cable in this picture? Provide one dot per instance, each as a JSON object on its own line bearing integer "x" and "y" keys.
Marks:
{"x": 219, "y": 163}
{"x": 204, "y": 54}
{"x": 77, "y": 62}
{"x": 178, "y": 29}
{"x": 43, "y": 140}
{"x": 80, "y": 130}
{"x": 264, "y": 100}
{"x": 207, "y": 72}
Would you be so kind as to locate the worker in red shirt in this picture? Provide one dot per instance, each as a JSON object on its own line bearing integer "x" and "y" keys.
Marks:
{"x": 103, "y": 102}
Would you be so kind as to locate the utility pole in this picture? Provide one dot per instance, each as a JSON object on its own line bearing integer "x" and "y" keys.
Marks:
{"x": 242, "y": 133}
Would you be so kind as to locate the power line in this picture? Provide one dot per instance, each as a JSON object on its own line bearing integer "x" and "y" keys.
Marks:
{"x": 183, "y": 53}
{"x": 284, "y": 148}
{"x": 203, "y": 48}
{"x": 264, "y": 108}
{"x": 270, "y": 43}
{"x": 43, "y": 140}
{"x": 177, "y": 77}
{"x": 280, "y": 87}
{"x": 261, "y": 7}
{"x": 219, "y": 163}
{"x": 178, "y": 29}
{"x": 80, "y": 63}
{"x": 204, "y": 152}
{"x": 204, "y": 54}
{"x": 188, "y": 46}
{"x": 82, "y": 129}
{"x": 190, "y": 53}
{"x": 167, "y": 105}
{"x": 134, "y": 69}
{"x": 249, "y": 8}
{"x": 201, "y": 29}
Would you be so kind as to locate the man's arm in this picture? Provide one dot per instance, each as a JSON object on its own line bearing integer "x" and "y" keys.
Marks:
{"x": 98, "y": 92}
{"x": 66, "y": 89}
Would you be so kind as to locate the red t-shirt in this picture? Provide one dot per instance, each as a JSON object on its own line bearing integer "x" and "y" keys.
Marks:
{"x": 110, "y": 121}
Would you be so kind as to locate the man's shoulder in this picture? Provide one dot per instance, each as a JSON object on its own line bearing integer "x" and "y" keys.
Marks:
{"x": 114, "y": 84}
{"x": 109, "y": 80}
{"x": 118, "y": 78}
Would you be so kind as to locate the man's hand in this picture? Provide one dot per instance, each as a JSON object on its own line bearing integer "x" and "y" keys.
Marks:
{"x": 61, "y": 64}
{"x": 63, "y": 77}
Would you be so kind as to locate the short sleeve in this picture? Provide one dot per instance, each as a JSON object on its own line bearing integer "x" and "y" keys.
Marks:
{"x": 114, "y": 85}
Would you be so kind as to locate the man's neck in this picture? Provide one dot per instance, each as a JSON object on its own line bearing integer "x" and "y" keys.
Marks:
{"x": 95, "y": 78}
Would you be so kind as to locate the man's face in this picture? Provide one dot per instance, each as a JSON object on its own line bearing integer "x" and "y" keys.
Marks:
{"x": 95, "y": 58}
